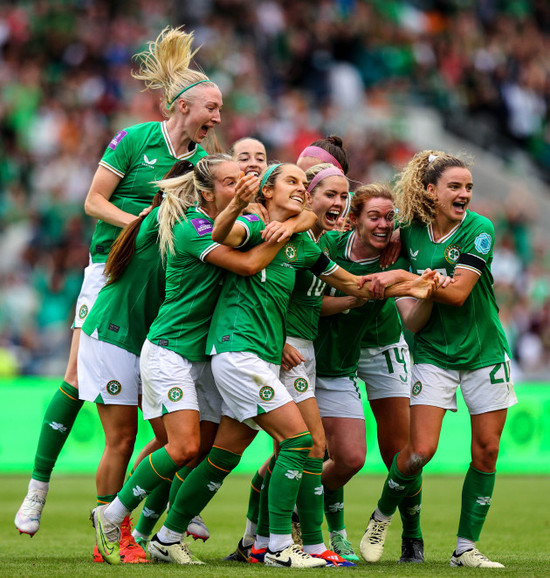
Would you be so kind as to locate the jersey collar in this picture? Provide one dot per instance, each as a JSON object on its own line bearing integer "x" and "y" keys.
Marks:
{"x": 347, "y": 251}
{"x": 170, "y": 146}
{"x": 448, "y": 235}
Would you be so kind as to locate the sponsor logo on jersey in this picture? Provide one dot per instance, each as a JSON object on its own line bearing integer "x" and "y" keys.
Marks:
{"x": 483, "y": 500}
{"x": 291, "y": 253}
{"x": 114, "y": 387}
{"x": 83, "y": 311}
{"x": 149, "y": 163}
{"x": 58, "y": 426}
{"x": 202, "y": 226}
{"x": 301, "y": 385}
{"x": 267, "y": 393}
{"x": 293, "y": 474}
{"x": 452, "y": 253}
{"x": 416, "y": 388}
{"x": 116, "y": 139}
{"x": 250, "y": 217}
{"x": 414, "y": 254}
{"x": 175, "y": 394}
{"x": 483, "y": 243}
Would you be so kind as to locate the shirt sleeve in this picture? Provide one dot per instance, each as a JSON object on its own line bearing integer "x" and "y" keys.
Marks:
{"x": 118, "y": 154}
{"x": 478, "y": 248}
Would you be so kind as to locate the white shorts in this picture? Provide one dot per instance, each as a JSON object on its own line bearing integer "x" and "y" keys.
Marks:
{"x": 94, "y": 279}
{"x": 249, "y": 385}
{"x": 300, "y": 380}
{"x": 484, "y": 390}
{"x": 210, "y": 399}
{"x": 107, "y": 373}
{"x": 386, "y": 370}
{"x": 169, "y": 381}
{"x": 339, "y": 397}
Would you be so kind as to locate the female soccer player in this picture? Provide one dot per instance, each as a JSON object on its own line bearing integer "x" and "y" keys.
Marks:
{"x": 246, "y": 339}
{"x": 250, "y": 154}
{"x": 463, "y": 343}
{"x": 176, "y": 376}
{"x": 120, "y": 189}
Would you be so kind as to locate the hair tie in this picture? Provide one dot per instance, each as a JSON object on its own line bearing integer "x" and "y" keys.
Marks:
{"x": 267, "y": 174}
{"x": 432, "y": 158}
{"x": 323, "y": 174}
{"x": 319, "y": 153}
{"x": 185, "y": 89}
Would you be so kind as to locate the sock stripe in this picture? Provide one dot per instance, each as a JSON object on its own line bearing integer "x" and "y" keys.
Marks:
{"x": 152, "y": 466}
{"x": 304, "y": 433}
{"x": 69, "y": 396}
{"x": 179, "y": 477}
{"x": 228, "y": 451}
{"x": 217, "y": 467}
{"x": 255, "y": 488}
{"x": 312, "y": 473}
{"x": 416, "y": 493}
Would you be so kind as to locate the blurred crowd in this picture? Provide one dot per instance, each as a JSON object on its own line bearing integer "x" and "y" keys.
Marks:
{"x": 291, "y": 71}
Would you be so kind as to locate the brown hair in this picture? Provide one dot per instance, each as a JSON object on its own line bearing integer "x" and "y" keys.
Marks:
{"x": 124, "y": 247}
{"x": 334, "y": 145}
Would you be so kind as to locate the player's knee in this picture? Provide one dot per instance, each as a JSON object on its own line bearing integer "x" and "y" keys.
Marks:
{"x": 123, "y": 443}
{"x": 485, "y": 454}
{"x": 350, "y": 463}
{"x": 319, "y": 444}
{"x": 420, "y": 457}
{"x": 182, "y": 454}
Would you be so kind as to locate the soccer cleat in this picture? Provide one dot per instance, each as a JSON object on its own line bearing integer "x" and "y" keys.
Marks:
{"x": 296, "y": 530}
{"x": 27, "y": 519}
{"x": 333, "y": 559}
{"x": 130, "y": 551}
{"x": 372, "y": 543}
{"x": 342, "y": 547}
{"x": 97, "y": 557}
{"x": 107, "y": 536}
{"x": 197, "y": 529}
{"x": 177, "y": 553}
{"x": 473, "y": 559}
{"x": 412, "y": 550}
{"x": 241, "y": 554}
{"x": 292, "y": 557}
{"x": 257, "y": 555}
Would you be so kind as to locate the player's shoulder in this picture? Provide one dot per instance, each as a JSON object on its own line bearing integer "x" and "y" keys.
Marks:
{"x": 475, "y": 220}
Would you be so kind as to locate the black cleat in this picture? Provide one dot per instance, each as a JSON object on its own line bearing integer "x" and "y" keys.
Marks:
{"x": 241, "y": 554}
{"x": 412, "y": 551}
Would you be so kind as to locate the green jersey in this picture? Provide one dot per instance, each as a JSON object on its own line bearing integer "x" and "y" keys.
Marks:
{"x": 250, "y": 315}
{"x": 192, "y": 289}
{"x": 125, "y": 308}
{"x": 374, "y": 324}
{"x": 138, "y": 155}
{"x": 467, "y": 337}
{"x": 304, "y": 308}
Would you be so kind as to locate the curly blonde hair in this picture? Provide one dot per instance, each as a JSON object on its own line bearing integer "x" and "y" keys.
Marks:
{"x": 413, "y": 202}
{"x": 165, "y": 65}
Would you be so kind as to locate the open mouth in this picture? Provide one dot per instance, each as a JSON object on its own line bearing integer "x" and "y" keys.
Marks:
{"x": 252, "y": 172}
{"x": 381, "y": 236}
{"x": 332, "y": 216}
{"x": 460, "y": 206}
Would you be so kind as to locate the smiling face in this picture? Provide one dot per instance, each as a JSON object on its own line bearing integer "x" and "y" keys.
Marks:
{"x": 203, "y": 112}
{"x": 328, "y": 201}
{"x": 454, "y": 193}
{"x": 288, "y": 195}
{"x": 226, "y": 176}
{"x": 374, "y": 225}
{"x": 251, "y": 156}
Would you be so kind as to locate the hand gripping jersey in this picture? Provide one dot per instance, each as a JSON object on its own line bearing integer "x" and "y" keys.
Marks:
{"x": 139, "y": 155}
{"x": 374, "y": 324}
{"x": 251, "y": 312}
{"x": 125, "y": 309}
{"x": 467, "y": 337}
{"x": 192, "y": 289}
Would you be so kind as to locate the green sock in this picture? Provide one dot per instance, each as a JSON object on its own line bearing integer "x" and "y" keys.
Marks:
{"x": 178, "y": 480}
{"x": 254, "y": 498}
{"x": 200, "y": 487}
{"x": 56, "y": 427}
{"x": 263, "y": 506}
{"x": 334, "y": 509}
{"x": 107, "y": 499}
{"x": 285, "y": 481}
{"x": 396, "y": 487}
{"x": 150, "y": 473}
{"x": 153, "y": 508}
{"x": 310, "y": 502}
{"x": 409, "y": 509}
{"x": 477, "y": 492}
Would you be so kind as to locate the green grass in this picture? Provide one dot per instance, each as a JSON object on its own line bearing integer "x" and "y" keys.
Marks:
{"x": 517, "y": 532}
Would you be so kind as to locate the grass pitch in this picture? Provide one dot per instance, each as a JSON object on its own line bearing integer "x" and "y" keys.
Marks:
{"x": 517, "y": 531}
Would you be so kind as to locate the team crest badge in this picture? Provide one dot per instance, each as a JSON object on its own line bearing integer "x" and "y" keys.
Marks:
{"x": 175, "y": 394}
{"x": 114, "y": 387}
{"x": 83, "y": 311}
{"x": 417, "y": 388}
{"x": 452, "y": 253}
{"x": 301, "y": 385}
{"x": 483, "y": 243}
{"x": 291, "y": 252}
{"x": 267, "y": 393}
